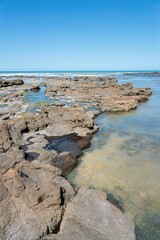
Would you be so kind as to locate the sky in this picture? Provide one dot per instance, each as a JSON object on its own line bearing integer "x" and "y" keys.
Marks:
{"x": 79, "y": 35}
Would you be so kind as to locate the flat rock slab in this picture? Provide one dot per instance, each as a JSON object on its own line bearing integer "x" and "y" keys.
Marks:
{"x": 89, "y": 216}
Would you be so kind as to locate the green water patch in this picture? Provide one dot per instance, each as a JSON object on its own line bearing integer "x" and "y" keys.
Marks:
{"x": 3, "y": 105}
{"x": 36, "y": 99}
{"x": 129, "y": 169}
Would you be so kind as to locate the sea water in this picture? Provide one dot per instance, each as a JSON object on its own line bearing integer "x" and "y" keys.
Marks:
{"x": 124, "y": 159}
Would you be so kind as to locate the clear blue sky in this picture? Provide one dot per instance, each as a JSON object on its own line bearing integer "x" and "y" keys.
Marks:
{"x": 79, "y": 34}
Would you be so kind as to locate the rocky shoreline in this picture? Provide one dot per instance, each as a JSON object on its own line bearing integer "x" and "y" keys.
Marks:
{"x": 38, "y": 149}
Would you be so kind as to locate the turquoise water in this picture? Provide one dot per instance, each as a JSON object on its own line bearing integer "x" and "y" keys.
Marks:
{"x": 35, "y": 99}
{"x": 124, "y": 160}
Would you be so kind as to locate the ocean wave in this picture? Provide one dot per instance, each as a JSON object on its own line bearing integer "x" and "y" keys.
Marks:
{"x": 74, "y": 73}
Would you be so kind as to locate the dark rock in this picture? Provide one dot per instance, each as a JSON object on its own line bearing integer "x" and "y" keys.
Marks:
{"x": 35, "y": 89}
{"x": 5, "y": 83}
{"x": 65, "y": 161}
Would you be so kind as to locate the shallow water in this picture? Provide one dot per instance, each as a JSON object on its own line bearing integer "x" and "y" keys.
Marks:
{"x": 65, "y": 143}
{"x": 124, "y": 160}
{"x": 36, "y": 99}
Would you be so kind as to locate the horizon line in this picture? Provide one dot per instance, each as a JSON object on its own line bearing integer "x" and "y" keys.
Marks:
{"x": 116, "y": 70}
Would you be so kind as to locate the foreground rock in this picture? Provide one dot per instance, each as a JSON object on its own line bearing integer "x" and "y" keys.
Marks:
{"x": 34, "y": 195}
{"x": 32, "y": 200}
{"x": 90, "y": 216}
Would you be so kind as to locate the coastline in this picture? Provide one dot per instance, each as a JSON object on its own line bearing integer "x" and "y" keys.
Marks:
{"x": 64, "y": 126}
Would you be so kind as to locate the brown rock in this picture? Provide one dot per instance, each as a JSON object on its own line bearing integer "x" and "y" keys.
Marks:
{"x": 31, "y": 201}
{"x": 118, "y": 104}
{"x": 65, "y": 161}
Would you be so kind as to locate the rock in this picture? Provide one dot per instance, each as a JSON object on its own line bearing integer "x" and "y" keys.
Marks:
{"x": 126, "y": 86}
{"x": 11, "y": 132}
{"x": 31, "y": 201}
{"x": 35, "y": 89}
{"x": 68, "y": 191}
{"x": 118, "y": 104}
{"x": 5, "y": 83}
{"x": 35, "y": 123}
{"x": 11, "y": 158}
{"x": 65, "y": 161}
{"x": 4, "y": 115}
{"x": 90, "y": 216}
{"x": 5, "y": 139}
{"x": 137, "y": 91}
{"x": 75, "y": 116}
